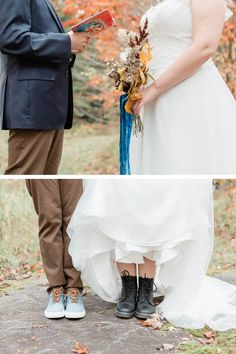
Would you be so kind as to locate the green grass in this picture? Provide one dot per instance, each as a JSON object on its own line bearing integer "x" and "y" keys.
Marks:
{"x": 20, "y": 257}
{"x": 91, "y": 149}
{"x": 18, "y": 222}
{"x": 88, "y": 149}
{"x": 224, "y": 343}
{"x": 18, "y": 226}
{"x": 224, "y": 257}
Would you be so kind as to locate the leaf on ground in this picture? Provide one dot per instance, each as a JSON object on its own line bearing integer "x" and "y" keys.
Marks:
{"x": 4, "y": 285}
{"x": 209, "y": 338}
{"x": 206, "y": 341}
{"x": 153, "y": 322}
{"x": 80, "y": 349}
{"x": 167, "y": 346}
{"x": 156, "y": 316}
{"x": 210, "y": 334}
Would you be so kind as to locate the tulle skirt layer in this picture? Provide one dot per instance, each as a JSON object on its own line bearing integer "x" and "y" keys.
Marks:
{"x": 167, "y": 221}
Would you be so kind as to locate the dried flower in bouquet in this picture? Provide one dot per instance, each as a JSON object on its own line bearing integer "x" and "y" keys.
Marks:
{"x": 130, "y": 71}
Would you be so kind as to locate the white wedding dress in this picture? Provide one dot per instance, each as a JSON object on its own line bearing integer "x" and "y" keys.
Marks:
{"x": 191, "y": 128}
{"x": 168, "y": 221}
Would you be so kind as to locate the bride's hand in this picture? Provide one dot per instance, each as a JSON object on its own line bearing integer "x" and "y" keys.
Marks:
{"x": 148, "y": 95}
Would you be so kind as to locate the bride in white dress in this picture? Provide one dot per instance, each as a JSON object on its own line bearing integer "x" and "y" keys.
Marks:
{"x": 189, "y": 114}
{"x": 166, "y": 228}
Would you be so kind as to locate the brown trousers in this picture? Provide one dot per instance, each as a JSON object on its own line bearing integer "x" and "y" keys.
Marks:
{"x": 34, "y": 152}
{"x": 55, "y": 202}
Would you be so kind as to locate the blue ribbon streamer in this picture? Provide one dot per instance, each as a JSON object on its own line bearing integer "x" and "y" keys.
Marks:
{"x": 126, "y": 125}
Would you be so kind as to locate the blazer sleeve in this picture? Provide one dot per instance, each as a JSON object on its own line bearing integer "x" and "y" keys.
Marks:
{"x": 17, "y": 39}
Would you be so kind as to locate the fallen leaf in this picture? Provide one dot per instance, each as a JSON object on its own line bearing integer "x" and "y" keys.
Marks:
{"x": 209, "y": 334}
{"x": 80, "y": 349}
{"x": 206, "y": 341}
{"x": 156, "y": 316}
{"x": 153, "y": 322}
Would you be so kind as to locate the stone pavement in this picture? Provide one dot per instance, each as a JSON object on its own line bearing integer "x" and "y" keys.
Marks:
{"x": 24, "y": 330}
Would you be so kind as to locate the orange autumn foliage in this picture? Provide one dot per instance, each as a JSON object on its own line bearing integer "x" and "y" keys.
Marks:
{"x": 123, "y": 11}
{"x": 226, "y": 55}
{"x": 127, "y": 14}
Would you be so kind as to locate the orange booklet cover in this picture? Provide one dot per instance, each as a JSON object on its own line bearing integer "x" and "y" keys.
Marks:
{"x": 96, "y": 23}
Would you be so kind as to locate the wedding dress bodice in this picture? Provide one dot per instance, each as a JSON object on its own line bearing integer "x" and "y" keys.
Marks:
{"x": 170, "y": 29}
{"x": 198, "y": 109}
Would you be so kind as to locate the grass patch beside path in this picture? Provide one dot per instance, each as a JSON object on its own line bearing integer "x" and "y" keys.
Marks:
{"x": 19, "y": 251}
{"x": 88, "y": 149}
{"x": 223, "y": 343}
{"x": 224, "y": 257}
{"x": 91, "y": 149}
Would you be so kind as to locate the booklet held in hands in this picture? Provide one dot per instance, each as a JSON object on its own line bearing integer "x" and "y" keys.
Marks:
{"x": 96, "y": 23}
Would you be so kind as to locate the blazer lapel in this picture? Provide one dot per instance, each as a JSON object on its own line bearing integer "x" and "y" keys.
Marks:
{"x": 54, "y": 15}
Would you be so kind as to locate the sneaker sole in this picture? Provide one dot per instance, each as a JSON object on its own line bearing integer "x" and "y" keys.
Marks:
{"x": 124, "y": 315}
{"x": 75, "y": 315}
{"x": 54, "y": 315}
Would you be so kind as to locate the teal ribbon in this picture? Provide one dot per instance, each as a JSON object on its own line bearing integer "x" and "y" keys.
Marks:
{"x": 126, "y": 126}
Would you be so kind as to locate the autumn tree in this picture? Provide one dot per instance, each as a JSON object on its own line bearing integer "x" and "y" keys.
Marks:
{"x": 226, "y": 54}
{"x": 92, "y": 90}
{"x": 94, "y": 100}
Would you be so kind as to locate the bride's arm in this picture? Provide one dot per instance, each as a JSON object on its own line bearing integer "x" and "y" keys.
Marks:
{"x": 208, "y": 21}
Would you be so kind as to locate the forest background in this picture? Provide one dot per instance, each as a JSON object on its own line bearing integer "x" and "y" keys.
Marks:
{"x": 92, "y": 146}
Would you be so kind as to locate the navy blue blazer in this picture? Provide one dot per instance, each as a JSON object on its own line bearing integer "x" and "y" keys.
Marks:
{"x": 39, "y": 93}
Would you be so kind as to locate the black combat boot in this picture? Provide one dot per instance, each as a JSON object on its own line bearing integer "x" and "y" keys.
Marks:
{"x": 145, "y": 304}
{"x": 127, "y": 304}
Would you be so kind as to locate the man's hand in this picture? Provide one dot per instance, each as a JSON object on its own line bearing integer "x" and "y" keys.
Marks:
{"x": 79, "y": 41}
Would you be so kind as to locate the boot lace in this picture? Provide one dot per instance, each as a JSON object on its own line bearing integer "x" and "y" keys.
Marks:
{"x": 128, "y": 289}
{"x": 56, "y": 294}
{"x": 144, "y": 292}
{"x": 73, "y": 295}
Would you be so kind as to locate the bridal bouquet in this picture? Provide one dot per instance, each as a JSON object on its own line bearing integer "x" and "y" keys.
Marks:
{"x": 130, "y": 72}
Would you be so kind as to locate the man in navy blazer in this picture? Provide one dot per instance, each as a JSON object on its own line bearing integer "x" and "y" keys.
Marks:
{"x": 38, "y": 103}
